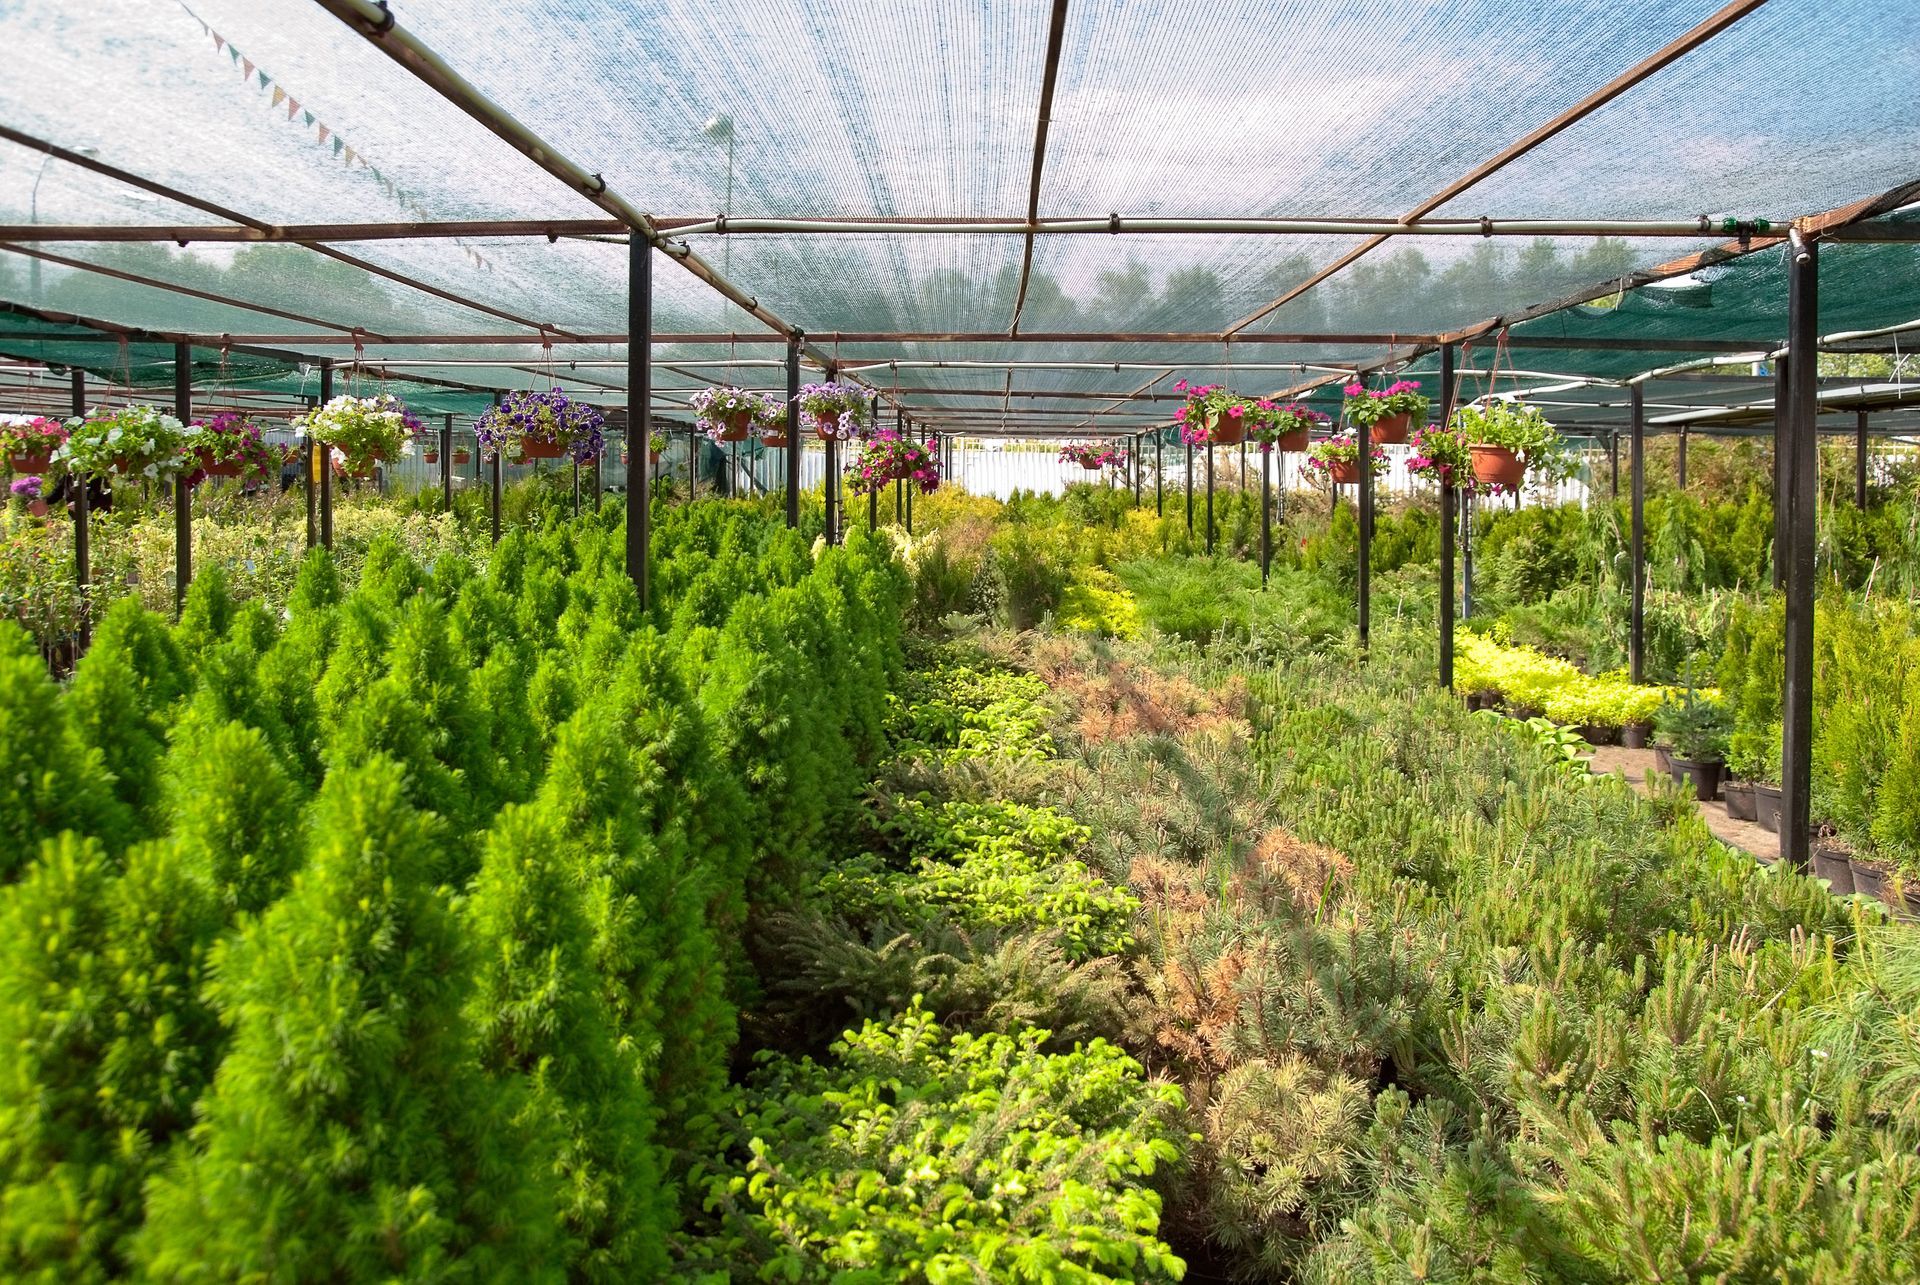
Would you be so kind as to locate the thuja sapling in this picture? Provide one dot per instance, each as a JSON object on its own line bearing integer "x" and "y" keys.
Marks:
{"x": 109, "y": 1045}
{"x": 233, "y": 813}
{"x": 121, "y": 700}
{"x": 350, "y": 1133}
{"x": 538, "y": 1013}
{"x": 55, "y": 781}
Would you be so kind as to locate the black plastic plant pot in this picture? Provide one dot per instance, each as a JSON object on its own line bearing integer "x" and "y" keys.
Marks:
{"x": 1594, "y": 734}
{"x": 1740, "y": 801}
{"x": 1831, "y": 862}
{"x": 1663, "y": 757}
{"x": 1703, "y": 776}
{"x": 1766, "y": 806}
{"x": 1483, "y": 700}
{"x": 1869, "y": 878}
{"x": 1634, "y": 735}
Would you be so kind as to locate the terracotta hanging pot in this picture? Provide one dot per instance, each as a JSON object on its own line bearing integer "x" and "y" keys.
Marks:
{"x": 653, "y": 457}
{"x": 773, "y": 439}
{"x": 431, "y": 457}
{"x": 1344, "y": 472}
{"x": 828, "y": 426}
{"x": 214, "y": 468}
{"x": 540, "y": 448}
{"x": 1391, "y": 430}
{"x": 1293, "y": 441}
{"x": 1227, "y": 430}
{"x": 463, "y": 457}
{"x": 37, "y": 508}
{"x": 734, "y": 425}
{"x": 1090, "y": 464}
{"x": 36, "y": 462}
{"x": 1497, "y": 466}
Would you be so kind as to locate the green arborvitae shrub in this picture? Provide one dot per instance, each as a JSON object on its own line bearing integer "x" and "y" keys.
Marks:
{"x": 52, "y": 780}
{"x": 233, "y": 812}
{"x": 539, "y": 1013}
{"x": 108, "y": 1043}
{"x": 350, "y": 1133}
{"x": 121, "y": 699}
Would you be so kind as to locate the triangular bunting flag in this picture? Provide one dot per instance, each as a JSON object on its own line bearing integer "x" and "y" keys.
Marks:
{"x": 233, "y": 53}
{"x": 279, "y": 95}
{"x": 324, "y": 131}
{"x": 349, "y": 156}
{"x": 307, "y": 117}
{"x": 293, "y": 107}
{"x": 248, "y": 73}
{"x": 219, "y": 41}
{"x": 265, "y": 80}
{"x": 337, "y": 145}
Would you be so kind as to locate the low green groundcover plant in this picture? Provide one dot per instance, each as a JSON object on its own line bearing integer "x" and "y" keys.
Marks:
{"x": 913, "y": 1154}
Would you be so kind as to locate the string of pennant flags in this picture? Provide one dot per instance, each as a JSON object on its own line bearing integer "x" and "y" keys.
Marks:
{"x": 256, "y": 77}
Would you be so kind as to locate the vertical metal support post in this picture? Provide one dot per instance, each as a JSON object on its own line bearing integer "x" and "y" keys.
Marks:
{"x": 576, "y": 488}
{"x": 310, "y": 465}
{"x": 1363, "y": 437}
{"x": 446, "y": 464}
{"x": 1266, "y": 514}
{"x": 1680, "y": 459}
{"x": 793, "y": 430}
{"x": 899, "y": 484}
{"x": 1159, "y": 475}
{"x": 599, "y": 469}
{"x": 1138, "y": 464}
{"x": 496, "y": 483}
{"x": 82, "y": 536}
{"x": 1637, "y": 547}
{"x": 1781, "y": 376}
{"x": 1447, "y": 498}
{"x": 1613, "y": 463}
{"x": 1209, "y": 449}
{"x": 1243, "y": 466}
{"x": 639, "y": 412}
{"x": 1802, "y": 479}
{"x": 1466, "y": 554}
{"x": 182, "y": 493}
{"x": 325, "y": 460}
{"x": 1189, "y": 491}
{"x": 1860, "y": 459}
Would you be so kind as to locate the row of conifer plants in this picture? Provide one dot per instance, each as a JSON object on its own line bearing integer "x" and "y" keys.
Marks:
{"x": 399, "y": 935}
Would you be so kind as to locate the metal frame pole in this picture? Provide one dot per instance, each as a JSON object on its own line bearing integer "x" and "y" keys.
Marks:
{"x": 182, "y": 493}
{"x": 446, "y": 464}
{"x": 326, "y": 460}
{"x": 1159, "y": 474}
{"x": 1447, "y": 498}
{"x": 496, "y": 483}
{"x": 1266, "y": 514}
{"x": 1466, "y": 554}
{"x": 1680, "y": 459}
{"x": 1209, "y": 449}
{"x": 1189, "y": 491}
{"x": 793, "y": 430}
{"x": 1363, "y": 438}
{"x": 1782, "y": 375}
{"x": 1613, "y": 461}
{"x": 1860, "y": 458}
{"x": 1802, "y": 478}
{"x": 1637, "y": 465}
{"x": 82, "y": 522}
{"x": 639, "y": 416}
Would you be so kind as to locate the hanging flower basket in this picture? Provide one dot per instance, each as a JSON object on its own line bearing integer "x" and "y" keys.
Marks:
{"x": 546, "y": 425}
{"x": 835, "y": 409}
{"x": 726, "y": 413}
{"x": 1498, "y": 466}
{"x": 1093, "y": 455}
{"x": 771, "y": 438}
{"x": 1389, "y": 412}
{"x": 1511, "y": 440}
{"x": 1284, "y": 428}
{"x": 363, "y": 431}
{"x": 1391, "y": 430}
{"x": 133, "y": 441}
{"x": 1441, "y": 454}
{"x": 1227, "y": 427}
{"x": 888, "y": 456}
{"x": 229, "y": 445}
{"x": 29, "y": 442}
{"x": 461, "y": 456}
{"x": 534, "y": 448}
{"x": 1338, "y": 458}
